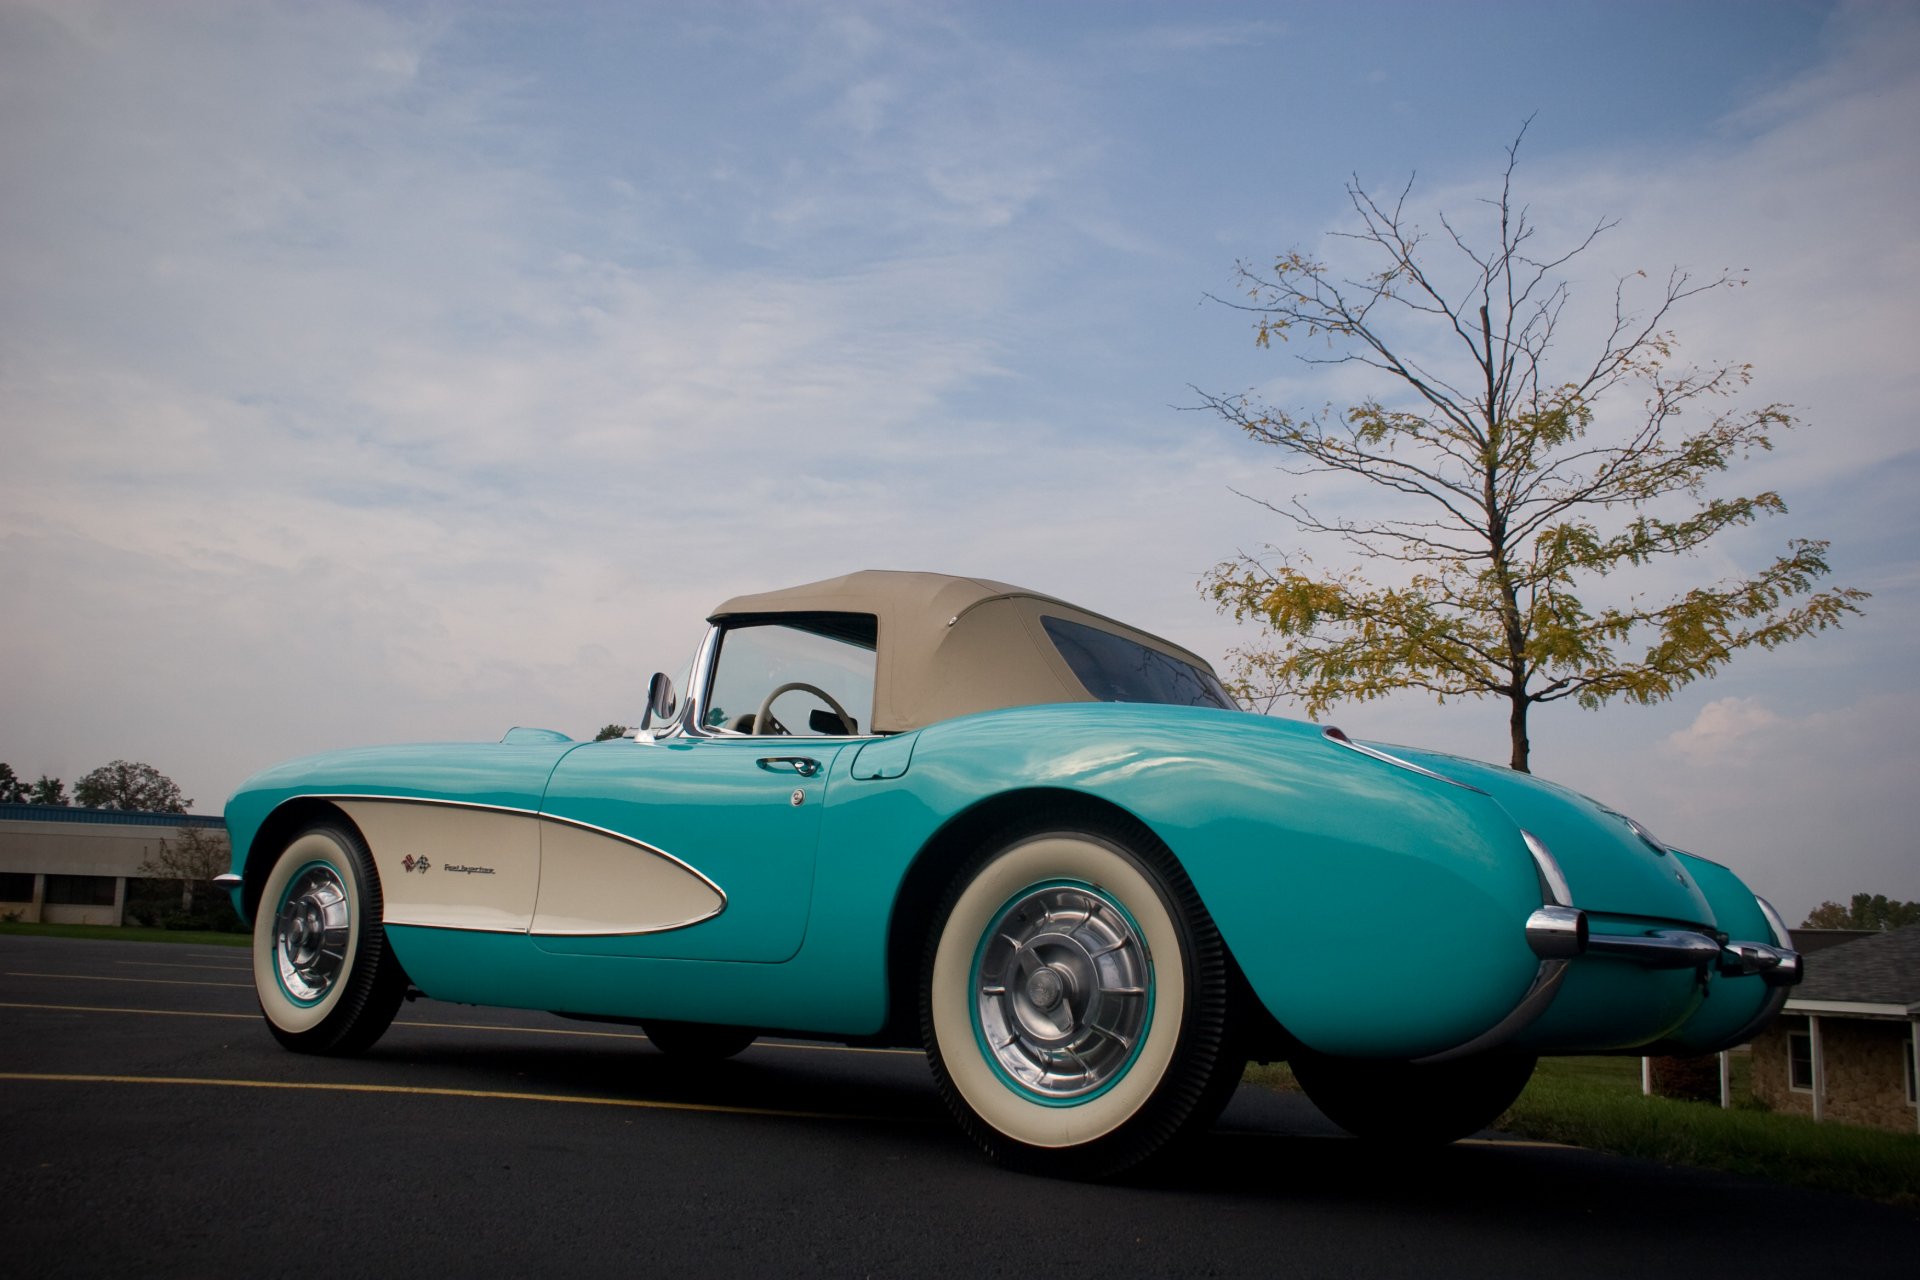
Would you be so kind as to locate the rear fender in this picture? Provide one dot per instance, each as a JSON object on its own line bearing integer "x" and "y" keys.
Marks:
{"x": 1373, "y": 910}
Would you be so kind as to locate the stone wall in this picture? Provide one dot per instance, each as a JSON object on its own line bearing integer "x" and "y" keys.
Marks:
{"x": 1865, "y": 1069}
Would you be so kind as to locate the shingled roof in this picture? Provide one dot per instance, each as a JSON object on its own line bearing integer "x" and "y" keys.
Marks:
{"x": 1881, "y": 970}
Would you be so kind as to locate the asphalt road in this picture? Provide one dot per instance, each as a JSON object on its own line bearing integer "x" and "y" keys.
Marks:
{"x": 152, "y": 1127}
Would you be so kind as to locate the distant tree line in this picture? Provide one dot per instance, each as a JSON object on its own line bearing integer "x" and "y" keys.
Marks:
{"x": 1864, "y": 911}
{"x": 123, "y": 784}
{"x": 16, "y": 790}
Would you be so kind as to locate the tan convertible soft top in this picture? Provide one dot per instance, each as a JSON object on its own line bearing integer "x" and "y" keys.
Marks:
{"x": 950, "y": 646}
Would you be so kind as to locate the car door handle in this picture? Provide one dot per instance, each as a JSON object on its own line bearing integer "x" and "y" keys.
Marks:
{"x": 801, "y": 765}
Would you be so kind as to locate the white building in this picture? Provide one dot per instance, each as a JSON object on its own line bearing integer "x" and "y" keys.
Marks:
{"x": 64, "y": 865}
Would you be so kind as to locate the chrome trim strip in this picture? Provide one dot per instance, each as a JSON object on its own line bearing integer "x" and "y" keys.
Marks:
{"x": 1546, "y": 985}
{"x": 1781, "y": 937}
{"x": 228, "y": 880}
{"x": 628, "y": 933}
{"x": 699, "y": 685}
{"x": 451, "y": 804}
{"x": 457, "y": 928}
{"x": 1333, "y": 733}
{"x": 1652, "y": 841}
{"x": 1557, "y": 932}
{"x": 682, "y": 863}
{"x": 1553, "y": 881}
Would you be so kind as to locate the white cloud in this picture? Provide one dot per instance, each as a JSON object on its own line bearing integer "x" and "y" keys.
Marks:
{"x": 1810, "y": 807}
{"x": 1725, "y": 729}
{"x": 1203, "y": 37}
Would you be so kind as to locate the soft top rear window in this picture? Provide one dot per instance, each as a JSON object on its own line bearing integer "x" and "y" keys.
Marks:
{"x": 1116, "y": 669}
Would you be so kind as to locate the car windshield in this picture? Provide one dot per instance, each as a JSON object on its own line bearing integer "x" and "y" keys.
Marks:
{"x": 774, "y": 674}
{"x": 1116, "y": 669}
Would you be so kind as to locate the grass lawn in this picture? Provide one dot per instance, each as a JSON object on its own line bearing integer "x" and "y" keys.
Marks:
{"x": 1597, "y": 1103}
{"x": 130, "y": 933}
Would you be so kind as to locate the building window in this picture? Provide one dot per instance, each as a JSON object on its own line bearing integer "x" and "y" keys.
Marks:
{"x": 16, "y": 886}
{"x": 1800, "y": 1061}
{"x": 80, "y": 891}
{"x": 1913, "y": 1094}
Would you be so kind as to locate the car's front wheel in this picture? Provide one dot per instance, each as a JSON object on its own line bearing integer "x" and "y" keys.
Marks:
{"x": 326, "y": 979}
{"x": 1413, "y": 1103}
{"x": 1074, "y": 1004}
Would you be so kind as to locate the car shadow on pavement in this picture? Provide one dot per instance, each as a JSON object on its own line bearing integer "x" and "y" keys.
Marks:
{"x": 800, "y": 1079}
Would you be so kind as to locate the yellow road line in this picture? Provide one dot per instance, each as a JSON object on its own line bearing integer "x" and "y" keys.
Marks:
{"x": 836, "y": 1048}
{"x": 163, "y": 982}
{"x": 167, "y": 964}
{"x": 546, "y": 1097}
{"x": 532, "y": 1031}
{"x": 1345, "y": 1137}
{"x": 254, "y": 1017}
{"x": 643, "y": 1104}
{"x": 88, "y": 1008}
{"x": 405, "y": 1022}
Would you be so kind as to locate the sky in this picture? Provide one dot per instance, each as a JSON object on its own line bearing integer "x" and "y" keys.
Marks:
{"x": 406, "y": 372}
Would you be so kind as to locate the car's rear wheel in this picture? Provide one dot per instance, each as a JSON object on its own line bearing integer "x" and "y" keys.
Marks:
{"x": 326, "y": 979}
{"x": 1074, "y": 1003}
{"x": 698, "y": 1041}
{"x": 1409, "y": 1103}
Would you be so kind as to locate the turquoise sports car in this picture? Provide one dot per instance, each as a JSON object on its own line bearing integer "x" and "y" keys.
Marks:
{"x": 1045, "y": 846}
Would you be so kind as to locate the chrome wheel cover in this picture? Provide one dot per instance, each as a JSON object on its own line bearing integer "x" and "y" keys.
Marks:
{"x": 311, "y": 932}
{"x": 1062, "y": 991}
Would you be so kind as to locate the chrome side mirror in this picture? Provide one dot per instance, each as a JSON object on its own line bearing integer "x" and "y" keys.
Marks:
{"x": 662, "y": 701}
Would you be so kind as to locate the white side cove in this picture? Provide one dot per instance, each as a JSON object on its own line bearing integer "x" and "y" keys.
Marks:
{"x": 454, "y": 866}
{"x": 593, "y": 882}
{"x": 417, "y": 846}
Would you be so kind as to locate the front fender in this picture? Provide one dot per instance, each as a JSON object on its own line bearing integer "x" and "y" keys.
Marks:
{"x": 510, "y": 777}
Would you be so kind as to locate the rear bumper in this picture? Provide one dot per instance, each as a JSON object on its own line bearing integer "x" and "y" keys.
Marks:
{"x": 1557, "y": 932}
{"x": 1560, "y": 934}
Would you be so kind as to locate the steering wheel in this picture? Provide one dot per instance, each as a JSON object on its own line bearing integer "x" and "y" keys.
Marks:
{"x": 763, "y": 721}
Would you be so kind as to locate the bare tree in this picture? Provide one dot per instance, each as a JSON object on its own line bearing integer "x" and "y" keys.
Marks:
{"x": 193, "y": 857}
{"x": 1512, "y": 489}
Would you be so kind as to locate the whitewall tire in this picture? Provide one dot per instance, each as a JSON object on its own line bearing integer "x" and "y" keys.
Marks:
{"x": 1074, "y": 1002}
{"x": 327, "y": 982}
